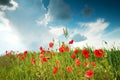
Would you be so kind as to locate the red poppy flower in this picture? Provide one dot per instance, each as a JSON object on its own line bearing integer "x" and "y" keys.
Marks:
{"x": 62, "y": 49}
{"x": 69, "y": 69}
{"x": 89, "y": 73}
{"x": 73, "y": 56}
{"x": 93, "y": 63}
{"x": 85, "y": 53}
{"x": 98, "y": 53}
{"x": 78, "y": 63}
{"x": 25, "y": 53}
{"x": 71, "y": 42}
{"x": 55, "y": 69}
{"x": 41, "y": 48}
{"x": 76, "y": 51}
{"x": 44, "y": 59}
{"x": 43, "y": 51}
{"x": 51, "y": 44}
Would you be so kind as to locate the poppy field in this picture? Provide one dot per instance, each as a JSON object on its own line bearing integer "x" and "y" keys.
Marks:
{"x": 64, "y": 63}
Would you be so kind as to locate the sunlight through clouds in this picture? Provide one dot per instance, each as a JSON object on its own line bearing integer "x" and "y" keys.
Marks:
{"x": 9, "y": 38}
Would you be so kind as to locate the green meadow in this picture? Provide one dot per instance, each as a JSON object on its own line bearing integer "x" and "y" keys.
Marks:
{"x": 63, "y": 64}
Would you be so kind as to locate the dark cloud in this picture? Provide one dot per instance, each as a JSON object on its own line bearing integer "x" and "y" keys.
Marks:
{"x": 87, "y": 11}
{"x": 6, "y": 3}
{"x": 59, "y": 10}
{"x": 78, "y": 38}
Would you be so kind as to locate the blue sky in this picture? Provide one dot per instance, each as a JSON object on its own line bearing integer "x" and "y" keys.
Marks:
{"x": 28, "y": 24}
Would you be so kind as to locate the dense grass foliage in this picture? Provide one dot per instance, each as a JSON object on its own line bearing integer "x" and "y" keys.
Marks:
{"x": 64, "y": 64}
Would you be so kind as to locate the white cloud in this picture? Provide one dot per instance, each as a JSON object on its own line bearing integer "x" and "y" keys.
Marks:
{"x": 95, "y": 29}
{"x": 4, "y": 23}
{"x": 13, "y": 6}
{"x": 94, "y": 32}
{"x": 57, "y": 31}
{"x": 43, "y": 21}
{"x": 98, "y": 26}
{"x": 9, "y": 39}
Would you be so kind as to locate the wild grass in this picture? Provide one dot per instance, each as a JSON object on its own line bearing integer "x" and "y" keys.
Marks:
{"x": 23, "y": 67}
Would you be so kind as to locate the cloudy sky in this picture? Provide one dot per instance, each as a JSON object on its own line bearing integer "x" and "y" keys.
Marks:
{"x": 28, "y": 24}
